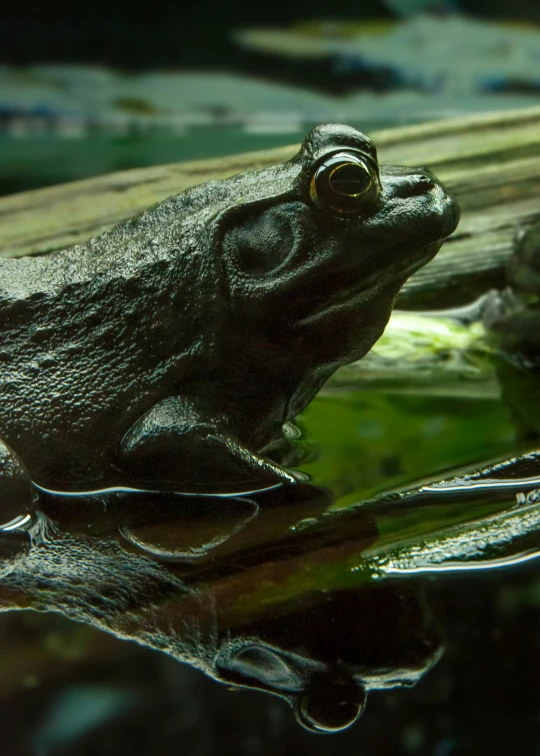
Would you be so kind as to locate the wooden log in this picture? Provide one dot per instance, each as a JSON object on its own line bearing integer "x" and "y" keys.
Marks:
{"x": 491, "y": 163}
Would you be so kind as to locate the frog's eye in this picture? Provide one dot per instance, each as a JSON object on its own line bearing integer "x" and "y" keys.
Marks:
{"x": 344, "y": 182}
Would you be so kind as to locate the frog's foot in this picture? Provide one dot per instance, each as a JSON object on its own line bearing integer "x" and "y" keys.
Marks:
{"x": 171, "y": 447}
{"x": 293, "y": 448}
{"x": 16, "y": 492}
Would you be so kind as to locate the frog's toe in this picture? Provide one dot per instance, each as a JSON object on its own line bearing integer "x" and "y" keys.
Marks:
{"x": 16, "y": 491}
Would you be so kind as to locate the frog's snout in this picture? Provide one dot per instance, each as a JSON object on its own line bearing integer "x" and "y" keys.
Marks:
{"x": 419, "y": 184}
{"x": 410, "y": 184}
{"x": 419, "y": 190}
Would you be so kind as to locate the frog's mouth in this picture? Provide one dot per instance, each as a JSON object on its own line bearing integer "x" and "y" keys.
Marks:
{"x": 418, "y": 258}
{"x": 395, "y": 273}
{"x": 372, "y": 291}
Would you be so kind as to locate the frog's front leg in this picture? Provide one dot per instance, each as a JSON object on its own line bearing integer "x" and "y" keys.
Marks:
{"x": 16, "y": 490}
{"x": 173, "y": 444}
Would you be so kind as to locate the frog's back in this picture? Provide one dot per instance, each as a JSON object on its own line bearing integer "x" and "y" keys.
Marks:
{"x": 122, "y": 252}
{"x": 92, "y": 336}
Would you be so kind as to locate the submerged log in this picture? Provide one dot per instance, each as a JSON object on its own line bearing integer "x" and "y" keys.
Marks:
{"x": 491, "y": 163}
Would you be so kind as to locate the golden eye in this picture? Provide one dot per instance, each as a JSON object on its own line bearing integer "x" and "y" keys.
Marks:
{"x": 344, "y": 182}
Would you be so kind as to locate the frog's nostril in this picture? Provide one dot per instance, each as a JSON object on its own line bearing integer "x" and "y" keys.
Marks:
{"x": 412, "y": 186}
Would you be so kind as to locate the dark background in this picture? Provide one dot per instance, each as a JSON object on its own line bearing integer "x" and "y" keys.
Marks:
{"x": 130, "y": 38}
{"x": 180, "y": 34}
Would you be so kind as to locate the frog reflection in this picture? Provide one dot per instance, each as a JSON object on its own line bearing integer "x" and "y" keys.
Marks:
{"x": 171, "y": 349}
{"x": 242, "y": 611}
{"x": 326, "y": 655}
{"x": 276, "y": 591}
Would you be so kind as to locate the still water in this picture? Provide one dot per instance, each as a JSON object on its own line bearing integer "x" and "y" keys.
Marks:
{"x": 302, "y": 593}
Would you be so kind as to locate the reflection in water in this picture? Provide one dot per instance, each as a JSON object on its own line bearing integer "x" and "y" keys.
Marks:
{"x": 275, "y": 591}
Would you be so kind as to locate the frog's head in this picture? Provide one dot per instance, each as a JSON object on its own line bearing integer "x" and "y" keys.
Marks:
{"x": 314, "y": 251}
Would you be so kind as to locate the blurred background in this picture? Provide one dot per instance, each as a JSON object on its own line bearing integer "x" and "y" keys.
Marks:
{"x": 84, "y": 92}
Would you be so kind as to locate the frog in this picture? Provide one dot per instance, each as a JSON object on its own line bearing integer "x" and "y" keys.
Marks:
{"x": 169, "y": 352}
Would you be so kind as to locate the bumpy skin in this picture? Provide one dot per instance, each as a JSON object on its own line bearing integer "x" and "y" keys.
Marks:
{"x": 172, "y": 348}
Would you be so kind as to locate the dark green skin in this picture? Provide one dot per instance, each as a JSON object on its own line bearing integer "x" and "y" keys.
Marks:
{"x": 171, "y": 349}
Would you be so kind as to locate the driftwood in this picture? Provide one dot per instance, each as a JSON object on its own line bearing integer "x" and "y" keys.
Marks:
{"x": 491, "y": 162}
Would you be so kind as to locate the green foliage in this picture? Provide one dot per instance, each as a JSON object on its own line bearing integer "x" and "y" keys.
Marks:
{"x": 372, "y": 442}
